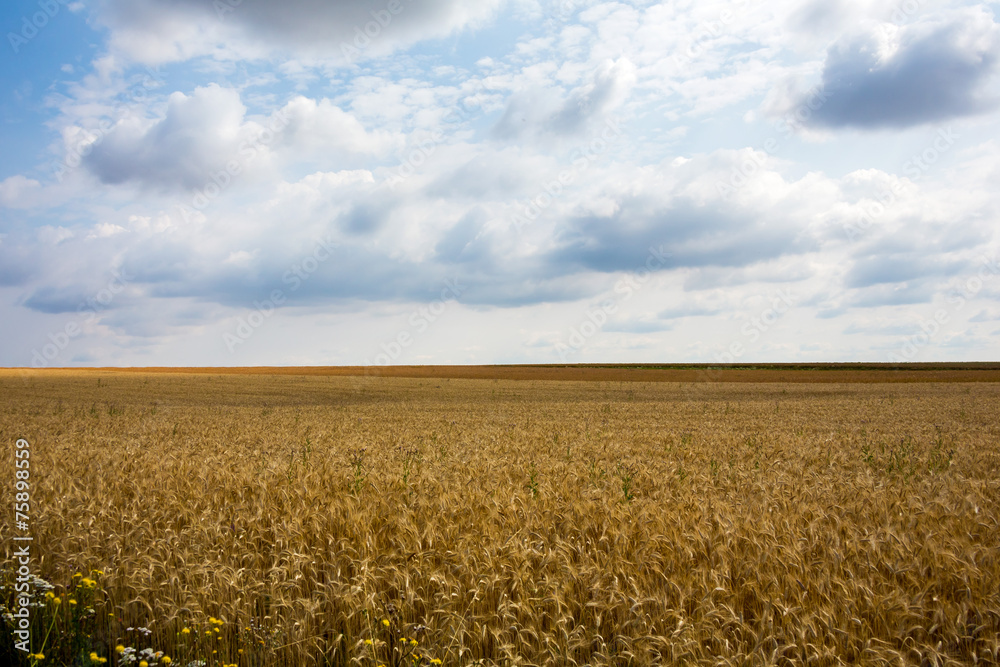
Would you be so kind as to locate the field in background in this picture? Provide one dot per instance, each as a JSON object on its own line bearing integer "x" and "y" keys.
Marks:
{"x": 684, "y": 373}
{"x": 502, "y": 521}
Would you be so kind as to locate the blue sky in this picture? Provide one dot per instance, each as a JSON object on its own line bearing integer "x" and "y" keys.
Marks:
{"x": 539, "y": 181}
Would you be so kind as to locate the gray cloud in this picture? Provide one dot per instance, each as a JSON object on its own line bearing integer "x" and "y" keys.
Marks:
{"x": 155, "y": 31}
{"x": 688, "y": 311}
{"x": 459, "y": 243}
{"x": 697, "y": 235}
{"x": 197, "y": 135}
{"x": 16, "y": 264}
{"x": 894, "y": 268}
{"x": 637, "y": 326}
{"x": 936, "y": 71}
{"x": 365, "y": 217}
{"x": 894, "y": 294}
{"x": 55, "y": 300}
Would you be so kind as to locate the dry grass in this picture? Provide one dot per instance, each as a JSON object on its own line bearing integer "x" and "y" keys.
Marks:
{"x": 546, "y": 523}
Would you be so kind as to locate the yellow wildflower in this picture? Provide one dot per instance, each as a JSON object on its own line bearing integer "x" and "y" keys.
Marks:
{"x": 119, "y": 649}
{"x": 385, "y": 622}
{"x": 166, "y": 660}
{"x": 143, "y": 663}
{"x": 368, "y": 642}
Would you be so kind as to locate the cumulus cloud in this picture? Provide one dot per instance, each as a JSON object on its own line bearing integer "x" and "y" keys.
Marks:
{"x": 668, "y": 207}
{"x": 541, "y": 112}
{"x": 312, "y": 126}
{"x": 892, "y": 77}
{"x": 208, "y": 132}
{"x": 197, "y": 135}
{"x": 156, "y": 32}
{"x": 892, "y": 268}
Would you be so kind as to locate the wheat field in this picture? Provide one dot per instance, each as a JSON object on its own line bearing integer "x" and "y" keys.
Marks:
{"x": 263, "y": 519}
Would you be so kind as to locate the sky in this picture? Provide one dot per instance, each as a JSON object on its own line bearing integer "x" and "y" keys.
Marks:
{"x": 244, "y": 182}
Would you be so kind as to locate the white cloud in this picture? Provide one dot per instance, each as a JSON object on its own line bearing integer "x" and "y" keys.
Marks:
{"x": 207, "y": 137}
{"x": 17, "y": 191}
{"x": 54, "y": 235}
{"x": 197, "y": 135}
{"x": 322, "y": 127}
